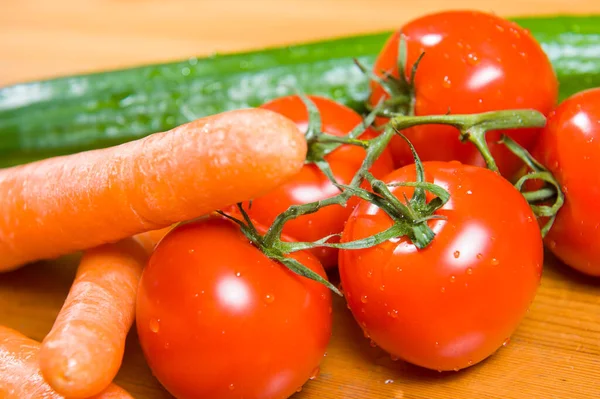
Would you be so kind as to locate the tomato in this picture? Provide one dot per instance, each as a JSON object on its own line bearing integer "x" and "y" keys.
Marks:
{"x": 310, "y": 184}
{"x": 570, "y": 148}
{"x": 455, "y": 302}
{"x": 474, "y": 62}
{"x": 216, "y": 318}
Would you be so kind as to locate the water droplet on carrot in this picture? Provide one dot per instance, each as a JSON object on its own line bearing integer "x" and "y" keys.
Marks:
{"x": 446, "y": 82}
{"x": 456, "y": 254}
{"x": 495, "y": 262}
{"x": 387, "y": 382}
{"x": 469, "y": 271}
{"x": 315, "y": 373}
{"x": 154, "y": 325}
{"x": 364, "y": 299}
{"x": 472, "y": 59}
{"x": 269, "y": 298}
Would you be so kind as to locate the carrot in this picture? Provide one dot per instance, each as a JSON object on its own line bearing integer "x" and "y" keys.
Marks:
{"x": 20, "y": 376}
{"x": 66, "y": 204}
{"x": 83, "y": 352}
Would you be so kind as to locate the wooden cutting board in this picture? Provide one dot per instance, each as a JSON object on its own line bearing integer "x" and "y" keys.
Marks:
{"x": 555, "y": 353}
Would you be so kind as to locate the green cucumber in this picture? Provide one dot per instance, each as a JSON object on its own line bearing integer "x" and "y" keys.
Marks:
{"x": 72, "y": 114}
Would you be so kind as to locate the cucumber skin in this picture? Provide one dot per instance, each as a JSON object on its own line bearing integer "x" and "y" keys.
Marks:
{"x": 71, "y": 114}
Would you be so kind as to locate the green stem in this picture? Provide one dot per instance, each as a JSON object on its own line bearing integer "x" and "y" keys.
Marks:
{"x": 473, "y": 127}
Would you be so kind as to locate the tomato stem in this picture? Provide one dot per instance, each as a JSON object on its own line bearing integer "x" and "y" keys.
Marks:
{"x": 550, "y": 191}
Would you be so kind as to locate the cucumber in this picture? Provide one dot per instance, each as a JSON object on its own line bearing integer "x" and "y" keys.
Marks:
{"x": 71, "y": 114}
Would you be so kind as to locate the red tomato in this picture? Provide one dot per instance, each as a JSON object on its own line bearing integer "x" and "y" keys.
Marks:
{"x": 216, "y": 318}
{"x": 310, "y": 184}
{"x": 455, "y": 302}
{"x": 474, "y": 62}
{"x": 570, "y": 148}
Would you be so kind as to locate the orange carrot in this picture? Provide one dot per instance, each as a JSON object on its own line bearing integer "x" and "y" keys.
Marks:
{"x": 83, "y": 352}
{"x": 20, "y": 376}
{"x": 65, "y": 204}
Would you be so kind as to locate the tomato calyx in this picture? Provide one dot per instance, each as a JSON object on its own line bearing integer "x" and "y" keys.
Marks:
{"x": 401, "y": 90}
{"x": 320, "y": 144}
{"x": 275, "y": 251}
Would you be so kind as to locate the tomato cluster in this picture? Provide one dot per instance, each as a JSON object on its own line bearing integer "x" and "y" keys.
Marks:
{"x": 220, "y": 312}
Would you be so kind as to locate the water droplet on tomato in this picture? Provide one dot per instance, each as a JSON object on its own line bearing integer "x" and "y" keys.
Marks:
{"x": 373, "y": 344}
{"x": 231, "y": 387}
{"x": 455, "y": 368}
{"x": 393, "y": 314}
{"x": 154, "y": 325}
{"x": 469, "y": 271}
{"x": 446, "y": 82}
{"x": 348, "y": 305}
{"x": 325, "y": 354}
{"x": 238, "y": 274}
{"x": 437, "y": 343}
{"x": 370, "y": 273}
{"x": 388, "y": 382}
{"x": 495, "y": 262}
{"x": 506, "y": 342}
{"x": 398, "y": 269}
{"x": 191, "y": 251}
{"x": 299, "y": 389}
{"x": 470, "y": 362}
{"x": 443, "y": 289}
{"x": 269, "y": 298}
{"x": 167, "y": 345}
{"x": 315, "y": 373}
{"x": 472, "y": 59}
{"x": 523, "y": 54}
{"x": 202, "y": 292}
{"x": 469, "y": 192}
{"x": 456, "y": 254}
{"x": 366, "y": 334}
{"x": 362, "y": 310}
{"x": 364, "y": 299}
{"x": 452, "y": 279}
{"x": 500, "y": 28}
{"x": 460, "y": 44}
{"x": 382, "y": 287}
{"x": 480, "y": 100}
{"x": 515, "y": 32}
{"x": 196, "y": 295}
{"x": 479, "y": 256}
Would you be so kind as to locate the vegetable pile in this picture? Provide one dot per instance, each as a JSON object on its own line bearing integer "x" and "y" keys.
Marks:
{"x": 430, "y": 204}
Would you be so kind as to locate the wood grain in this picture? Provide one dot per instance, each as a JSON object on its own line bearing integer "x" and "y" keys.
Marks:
{"x": 555, "y": 354}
